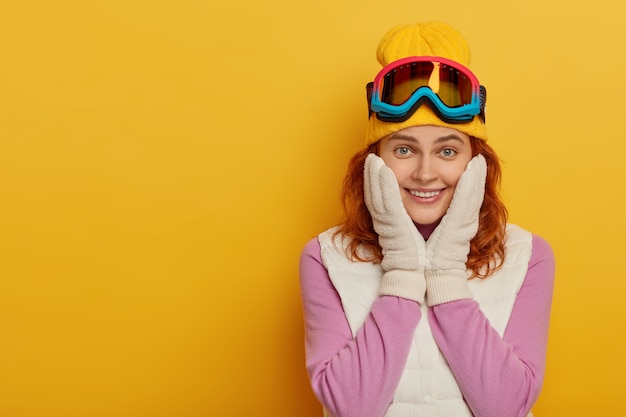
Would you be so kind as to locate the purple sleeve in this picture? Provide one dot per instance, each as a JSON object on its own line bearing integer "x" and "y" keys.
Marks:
{"x": 352, "y": 376}
{"x": 500, "y": 376}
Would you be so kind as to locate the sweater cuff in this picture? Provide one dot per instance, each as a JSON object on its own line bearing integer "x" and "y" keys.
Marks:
{"x": 404, "y": 284}
{"x": 447, "y": 285}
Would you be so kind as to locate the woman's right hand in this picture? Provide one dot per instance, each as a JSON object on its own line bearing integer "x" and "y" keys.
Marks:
{"x": 403, "y": 246}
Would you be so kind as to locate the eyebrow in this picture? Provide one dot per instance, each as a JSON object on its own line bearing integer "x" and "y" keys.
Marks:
{"x": 441, "y": 139}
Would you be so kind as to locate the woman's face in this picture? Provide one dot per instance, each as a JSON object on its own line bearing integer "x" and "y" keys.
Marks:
{"x": 428, "y": 162}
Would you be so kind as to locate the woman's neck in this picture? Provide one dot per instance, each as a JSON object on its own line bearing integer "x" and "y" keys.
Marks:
{"x": 427, "y": 229}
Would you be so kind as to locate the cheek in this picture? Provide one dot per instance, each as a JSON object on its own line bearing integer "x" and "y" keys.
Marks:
{"x": 400, "y": 168}
{"x": 402, "y": 172}
{"x": 452, "y": 175}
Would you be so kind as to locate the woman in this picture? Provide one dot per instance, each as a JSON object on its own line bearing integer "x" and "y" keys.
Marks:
{"x": 424, "y": 301}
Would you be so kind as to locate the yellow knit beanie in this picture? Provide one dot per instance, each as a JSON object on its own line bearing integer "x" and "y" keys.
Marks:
{"x": 423, "y": 39}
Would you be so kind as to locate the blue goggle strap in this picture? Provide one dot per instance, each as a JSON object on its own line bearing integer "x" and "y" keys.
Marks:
{"x": 400, "y": 113}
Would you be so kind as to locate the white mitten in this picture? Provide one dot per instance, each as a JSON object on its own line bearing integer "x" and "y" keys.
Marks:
{"x": 402, "y": 245}
{"x": 448, "y": 246}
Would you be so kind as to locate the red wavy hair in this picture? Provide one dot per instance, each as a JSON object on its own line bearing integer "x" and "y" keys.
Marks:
{"x": 486, "y": 248}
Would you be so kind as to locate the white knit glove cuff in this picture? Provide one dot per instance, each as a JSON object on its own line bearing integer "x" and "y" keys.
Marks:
{"x": 405, "y": 284}
{"x": 445, "y": 285}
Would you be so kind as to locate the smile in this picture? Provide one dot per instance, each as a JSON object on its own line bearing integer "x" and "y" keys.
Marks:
{"x": 425, "y": 194}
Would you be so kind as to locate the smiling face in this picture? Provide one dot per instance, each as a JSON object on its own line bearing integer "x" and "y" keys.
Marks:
{"x": 428, "y": 162}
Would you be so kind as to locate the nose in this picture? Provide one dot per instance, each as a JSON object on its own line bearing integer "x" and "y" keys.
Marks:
{"x": 425, "y": 170}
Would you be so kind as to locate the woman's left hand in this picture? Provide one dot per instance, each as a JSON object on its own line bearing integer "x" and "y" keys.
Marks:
{"x": 449, "y": 245}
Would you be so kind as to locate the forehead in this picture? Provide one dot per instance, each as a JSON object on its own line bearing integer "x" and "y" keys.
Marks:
{"x": 428, "y": 135}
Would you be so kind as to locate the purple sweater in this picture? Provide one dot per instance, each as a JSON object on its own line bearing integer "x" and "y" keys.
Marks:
{"x": 357, "y": 376}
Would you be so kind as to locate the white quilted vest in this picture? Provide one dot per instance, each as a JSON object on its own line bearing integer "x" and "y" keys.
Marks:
{"x": 427, "y": 386}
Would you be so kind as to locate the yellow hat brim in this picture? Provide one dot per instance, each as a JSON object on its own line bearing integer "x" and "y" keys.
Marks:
{"x": 377, "y": 129}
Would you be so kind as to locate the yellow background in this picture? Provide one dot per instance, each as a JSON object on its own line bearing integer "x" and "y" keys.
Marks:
{"x": 162, "y": 163}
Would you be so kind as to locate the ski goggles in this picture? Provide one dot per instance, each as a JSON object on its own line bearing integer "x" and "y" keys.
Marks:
{"x": 450, "y": 88}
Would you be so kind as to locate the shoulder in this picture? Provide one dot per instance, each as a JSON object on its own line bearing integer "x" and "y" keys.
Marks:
{"x": 311, "y": 248}
{"x": 515, "y": 231}
{"x": 311, "y": 256}
{"x": 538, "y": 286}
{"x": 314, "y": 247}
{"x": 311, "y": 268}
{"x": 541, "y": 247}
{"x": 541, "y": 265}
{"x": 542, "y": 254}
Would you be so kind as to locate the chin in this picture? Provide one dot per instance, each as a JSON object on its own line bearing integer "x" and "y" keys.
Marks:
{"x": 426, "y": 217}
{"x": 428, "y": 214}
{"x": 425, "y": 220}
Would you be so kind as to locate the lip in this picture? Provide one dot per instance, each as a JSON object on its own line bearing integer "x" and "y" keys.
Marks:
{"x": 429, "y": 199}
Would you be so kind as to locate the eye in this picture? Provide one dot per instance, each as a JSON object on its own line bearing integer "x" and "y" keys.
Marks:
{"x": 448, "y": 152}
{"x": 403, "y": 151}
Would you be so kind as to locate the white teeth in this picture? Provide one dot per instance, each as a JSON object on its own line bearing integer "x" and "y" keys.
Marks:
{"x": 425, "y": 194}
